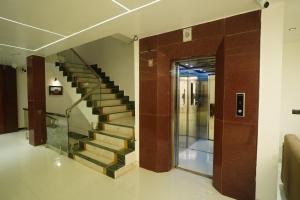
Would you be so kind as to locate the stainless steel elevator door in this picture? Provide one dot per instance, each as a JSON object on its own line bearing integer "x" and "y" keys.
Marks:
{"x": 195, "y": 146}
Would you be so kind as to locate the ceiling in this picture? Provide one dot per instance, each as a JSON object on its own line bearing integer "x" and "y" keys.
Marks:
{"x": 46, "y": 27}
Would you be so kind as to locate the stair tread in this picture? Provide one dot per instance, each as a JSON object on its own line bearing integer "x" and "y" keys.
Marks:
{"x": 107, "y": 145}
{"x": 101, "y": 159}
{"x": 126, "y": 136}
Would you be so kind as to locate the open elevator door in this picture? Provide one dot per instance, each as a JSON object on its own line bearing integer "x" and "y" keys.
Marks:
{"x": 194, "y": 115}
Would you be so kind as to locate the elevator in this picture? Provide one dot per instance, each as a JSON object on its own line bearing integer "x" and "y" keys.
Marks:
{"x": 194, "y": 100}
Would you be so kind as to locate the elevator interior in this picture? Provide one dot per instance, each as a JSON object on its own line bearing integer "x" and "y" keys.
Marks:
{"x": 194, "y": 115}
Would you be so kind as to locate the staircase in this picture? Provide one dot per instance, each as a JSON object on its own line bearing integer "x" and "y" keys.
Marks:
{"x": 108, "y": 148}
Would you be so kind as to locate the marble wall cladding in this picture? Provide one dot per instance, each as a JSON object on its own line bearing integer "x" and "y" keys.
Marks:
{"x": 235, "y": 41}
{"x": 36, "y": 100}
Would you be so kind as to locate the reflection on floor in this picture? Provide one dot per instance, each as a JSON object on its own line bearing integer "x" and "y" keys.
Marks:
{"x": 198, "y": 157}
{"x": 38, "y": 173}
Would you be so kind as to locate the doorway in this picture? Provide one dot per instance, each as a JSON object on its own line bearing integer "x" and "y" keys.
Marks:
{"x": 194, "y": 115}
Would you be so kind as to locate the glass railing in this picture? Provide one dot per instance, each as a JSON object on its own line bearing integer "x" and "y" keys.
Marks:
{"x": 57, "y": 132}
{"x": 65, "y": 131}
{"x": 87, "y": 81}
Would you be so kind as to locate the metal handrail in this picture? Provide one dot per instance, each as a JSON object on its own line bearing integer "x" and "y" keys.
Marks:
{"x": 68, "y": 110}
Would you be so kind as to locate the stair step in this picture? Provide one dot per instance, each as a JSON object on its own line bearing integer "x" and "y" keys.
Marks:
{"x": 70, "y": 65}
{"x": 83, "y": 75}
{"x": 124, "y": 136}
{"x": 91, "y": 160}
{"x": 89, "y": 80}
{"x": 90, "y": 85}
{"x": 111, "y": 102}
{"x": 118, "y": 129}
{"x": 105, "y": 145}
{"x": 113, "y": 109}
{"x": 107, "y": 96}
{"x": 120, "y": 143}
{"x": 78, "y": 70}
{"x": 99, "y": 92}
{"x": 119, "y": 115}
{"x": 103, "y": 161}
{"x": 101, "y": 152}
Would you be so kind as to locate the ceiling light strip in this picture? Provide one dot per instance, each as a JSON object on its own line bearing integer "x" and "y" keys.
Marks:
{"x": 86, "y": 29}
{"x": 98, "y": 24}
{"x": 27, "y": 25}
{"x": 119, "y": 4}
{"x": 12, "y": 46}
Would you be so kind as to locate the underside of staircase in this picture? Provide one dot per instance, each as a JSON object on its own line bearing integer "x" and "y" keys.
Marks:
{"x": 110, "y": 147}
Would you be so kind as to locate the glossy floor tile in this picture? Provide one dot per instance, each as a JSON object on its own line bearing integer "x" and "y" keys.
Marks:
{"x": 38, "y": 173}
{"x": 198, "y": 157}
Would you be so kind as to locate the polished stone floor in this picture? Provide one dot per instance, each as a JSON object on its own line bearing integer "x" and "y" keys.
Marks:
{"x": 198, "y": 157}
{"x": 38, "y": 173}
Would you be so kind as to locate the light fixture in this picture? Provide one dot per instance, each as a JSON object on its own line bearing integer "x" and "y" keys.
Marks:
{"x": 186, "y": 64}
{"x": 292, "y": 29}
{"x": 128, "y": 11}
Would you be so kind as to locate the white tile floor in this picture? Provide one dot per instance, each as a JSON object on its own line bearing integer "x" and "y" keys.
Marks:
{"x": 38, "y": 173}
{"x": 198, "y": 157}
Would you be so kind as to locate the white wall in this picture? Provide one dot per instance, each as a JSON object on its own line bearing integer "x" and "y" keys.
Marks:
{"x": 115, "y": 57}
{"x": 290, "y": 124}
{"x": 22, "y": 95}
{"x": 269, "y": 101}
{"x": 59, "y": 103}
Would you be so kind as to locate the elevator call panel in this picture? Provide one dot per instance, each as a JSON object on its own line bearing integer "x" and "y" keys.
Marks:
{"x": 240, "y": 104}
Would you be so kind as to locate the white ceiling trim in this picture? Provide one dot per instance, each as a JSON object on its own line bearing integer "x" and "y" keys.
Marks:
{"x": 119, "y": 4}
{"x": 34, "y": 27}
{"x": 128, "y": 11}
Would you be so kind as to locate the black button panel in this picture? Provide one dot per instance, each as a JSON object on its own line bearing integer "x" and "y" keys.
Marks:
{"x": 240, "y": 104}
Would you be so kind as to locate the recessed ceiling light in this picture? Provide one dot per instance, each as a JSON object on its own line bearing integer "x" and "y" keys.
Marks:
{"x": 186, "y": 64}
{"x": 292, "y": 29}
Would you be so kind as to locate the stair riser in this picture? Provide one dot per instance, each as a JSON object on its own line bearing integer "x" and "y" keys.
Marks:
{"x": 100, "y": 152}
{"x": 108, "y": 103}
{"x": 115, "y": 141}
{"x": 102, "y": 91}
{"x": 90, "y": 80}
{"x": 89, "y": 86}
{"x": 83, "y": 75}
{"x": 119, "y": 115}
{"x": 121, "y": 129}
{"x": 97, "y": 97}
{"x": 109, "y": 110}
{"x": 89, "y": 164}
{"x": 78, "y": 70}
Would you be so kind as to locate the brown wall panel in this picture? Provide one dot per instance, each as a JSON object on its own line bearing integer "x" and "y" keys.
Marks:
{"x": 2, "y": 114}
{"x": 36, "y": 100}
{"x": 8, "y": 100}
{"x": 236, "y": 43}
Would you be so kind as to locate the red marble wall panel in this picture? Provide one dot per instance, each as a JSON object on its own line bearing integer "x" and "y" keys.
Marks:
{"x": 236, "y": 43}
{"x": 36, "y": 100}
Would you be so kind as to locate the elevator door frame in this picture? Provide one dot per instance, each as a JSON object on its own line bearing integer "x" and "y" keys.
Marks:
{"x": 175, "y": 119}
